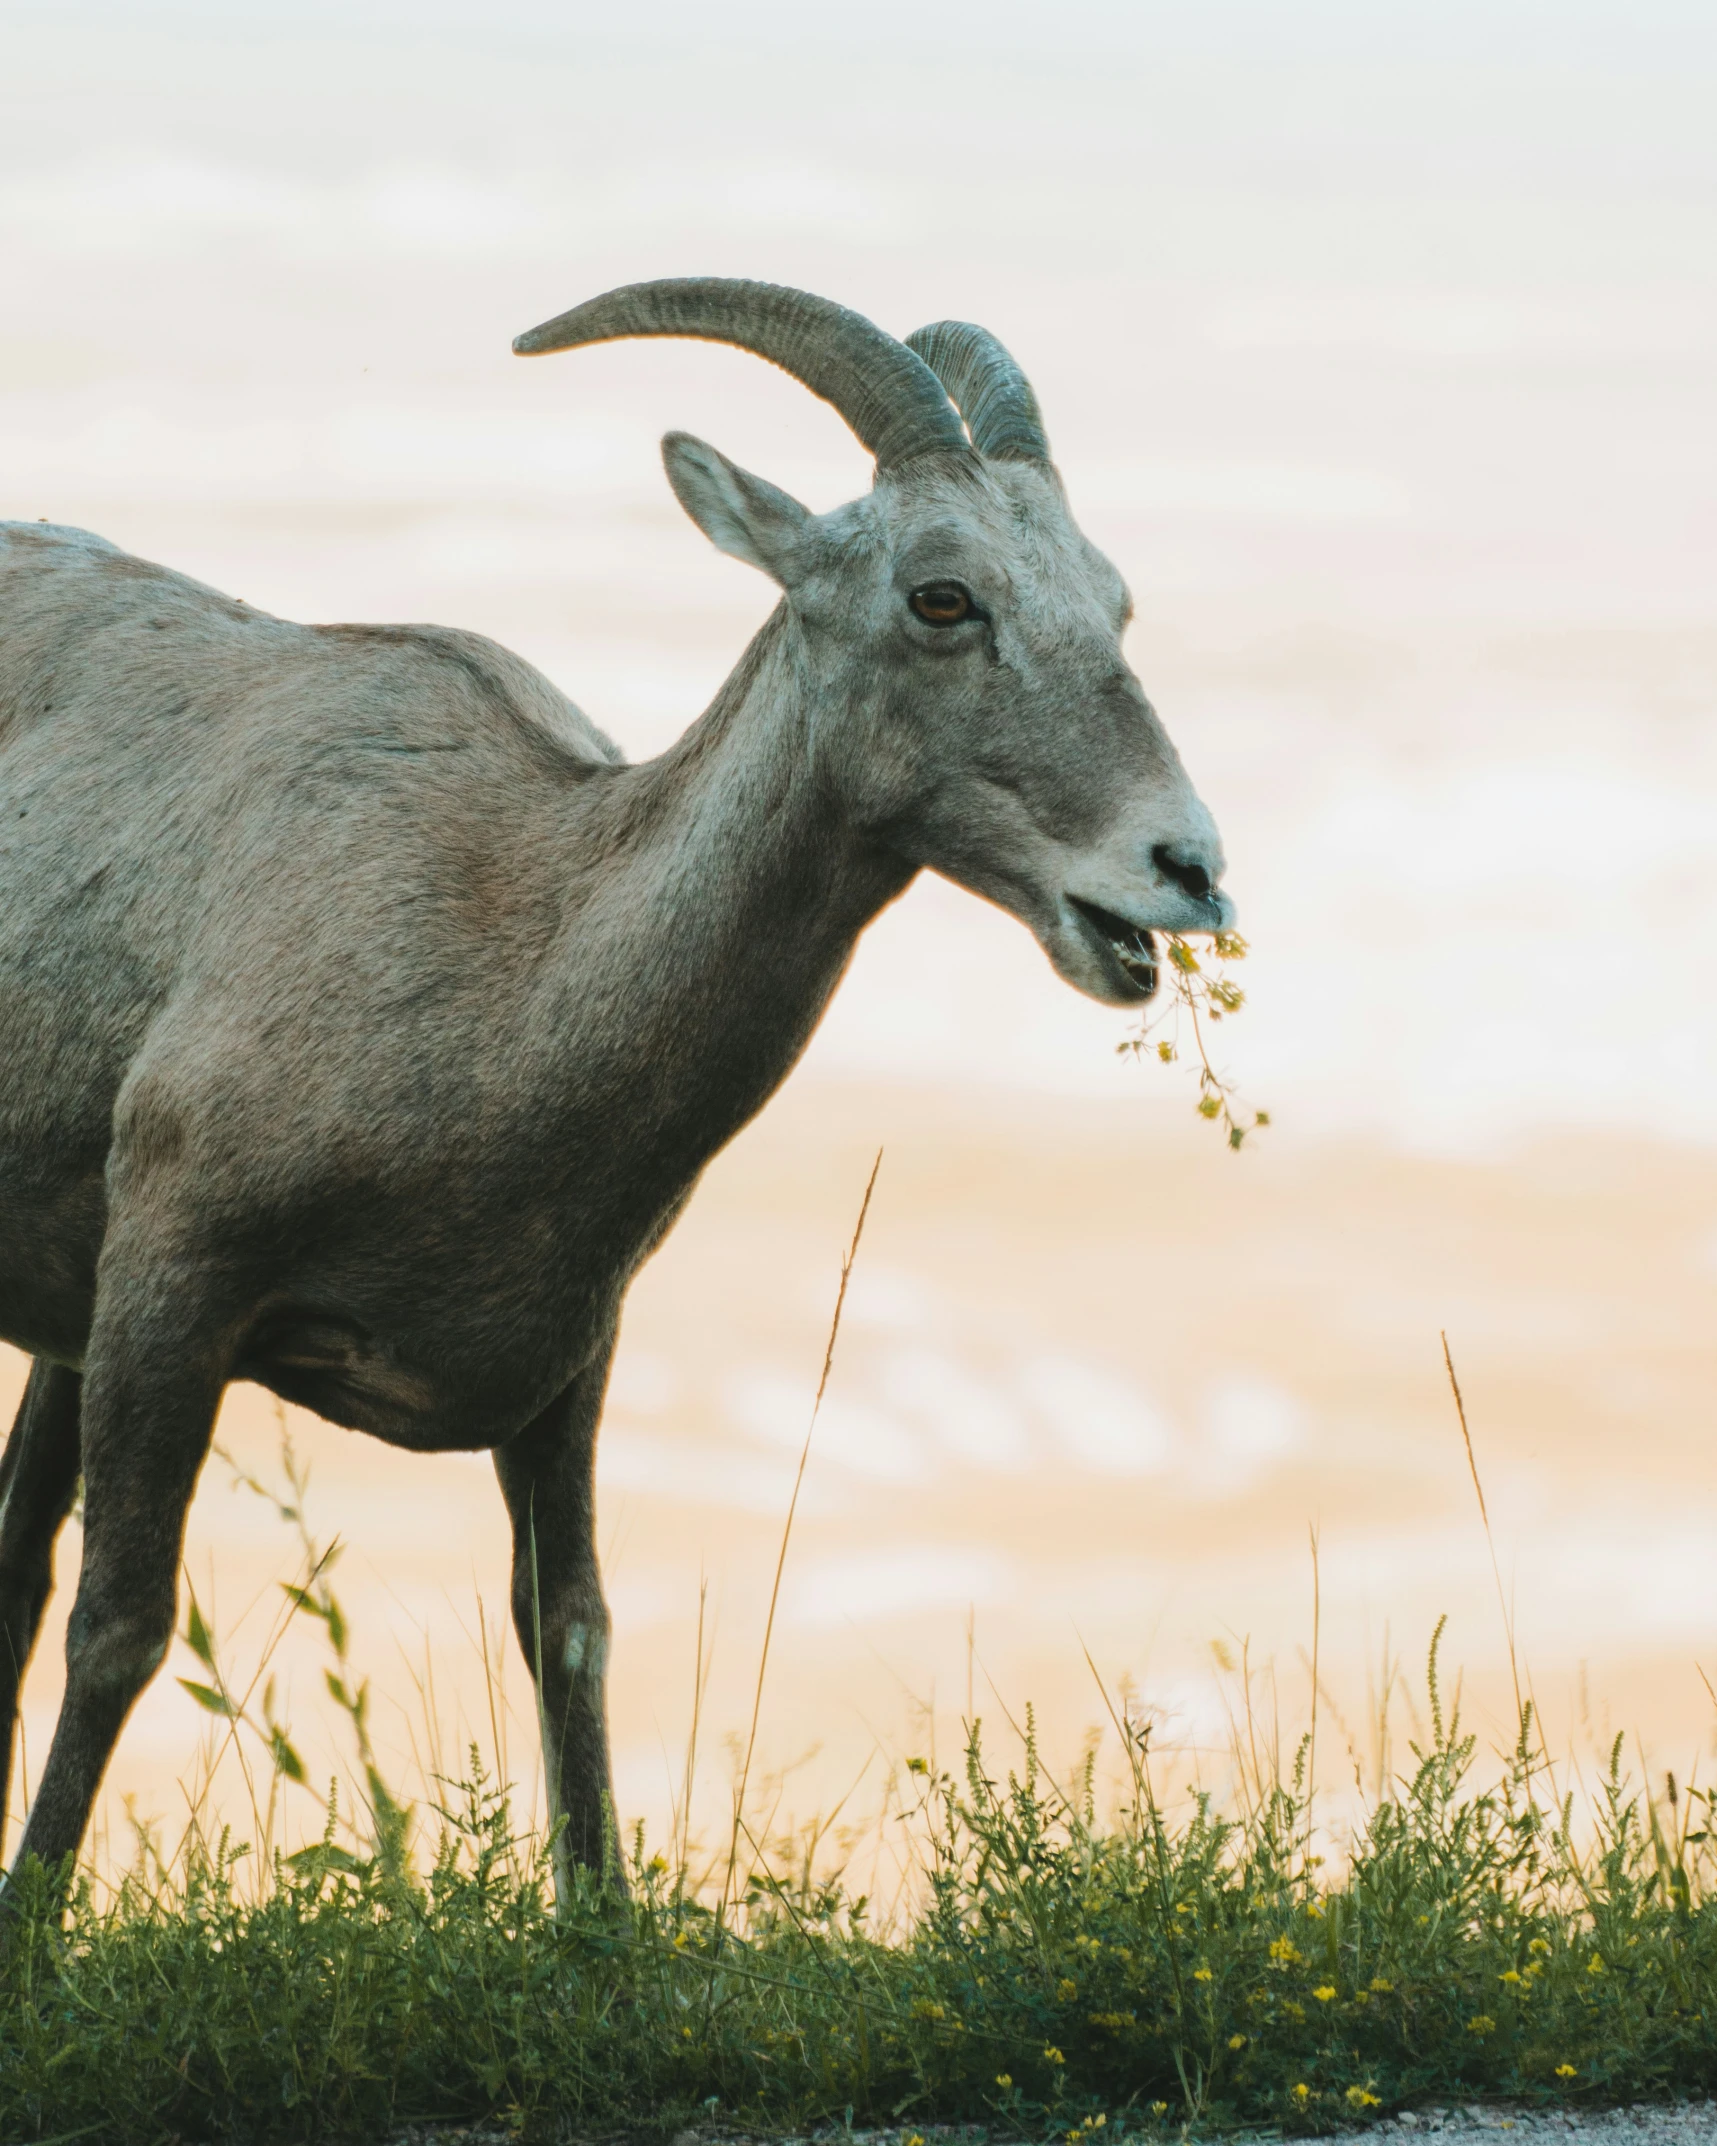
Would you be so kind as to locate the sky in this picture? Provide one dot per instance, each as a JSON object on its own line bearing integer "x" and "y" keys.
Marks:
{"x": 1376, "y": 346}
{"x": 1378, "y": 353}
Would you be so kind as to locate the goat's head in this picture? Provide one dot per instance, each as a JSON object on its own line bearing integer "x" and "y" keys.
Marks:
{"x": 966, "y": 631}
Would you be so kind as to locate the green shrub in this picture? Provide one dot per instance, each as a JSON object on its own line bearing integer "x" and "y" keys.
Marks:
{"x": 1056, "y": 1975}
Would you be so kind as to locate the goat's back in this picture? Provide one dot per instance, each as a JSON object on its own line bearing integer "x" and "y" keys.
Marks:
{"x": 78, "y": 618}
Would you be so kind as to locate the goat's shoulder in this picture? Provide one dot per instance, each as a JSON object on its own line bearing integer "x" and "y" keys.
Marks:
{"x": 487, "y": 681}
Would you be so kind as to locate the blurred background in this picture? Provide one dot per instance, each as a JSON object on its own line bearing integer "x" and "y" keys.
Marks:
{"x": 1377, "y": 347}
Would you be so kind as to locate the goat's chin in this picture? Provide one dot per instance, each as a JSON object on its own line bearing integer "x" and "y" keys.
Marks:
{"x": 1099, "y": 968}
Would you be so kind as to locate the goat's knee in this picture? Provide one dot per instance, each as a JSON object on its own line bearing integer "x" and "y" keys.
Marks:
{"x": 565, "y": 1640}
{"x": 112, "y": 1653}
{"x": 583, "y": 1648}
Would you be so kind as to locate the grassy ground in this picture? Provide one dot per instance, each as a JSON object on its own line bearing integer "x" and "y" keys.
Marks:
{"x": 1054, "y": 1975}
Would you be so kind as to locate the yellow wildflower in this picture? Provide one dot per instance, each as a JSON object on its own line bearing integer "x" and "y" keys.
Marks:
{"x": 1382, "y": 1987}
{"x": 1237, "y": 2041}
{"x": 1004, "y": 2080}
{"x": 1325, "y": 1994}
{"x": 1359, "y": 2098}
{"x": 922, "y": 2008}
{"x": 1302, "y": 2094}
{"x": 1510, "y": 1976}
{"x": 1285, "y": 1952}
{"x": 1159, "y": 2108}
{"x": 1052, "y": 2055}
{"x": 1481, "y": 2024}
{"x": 1565, "y": 2071}
{"x": 1201, "y": 1974}
{"x": 1066, "y": 1990}
{"x": 1540, "y": 1946}
{"x": 1595, "y": 1965}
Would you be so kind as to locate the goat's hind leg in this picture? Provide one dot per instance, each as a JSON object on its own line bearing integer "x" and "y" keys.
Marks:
{"x": 152, "y": 1380}
{"x": 38, "y": 1480}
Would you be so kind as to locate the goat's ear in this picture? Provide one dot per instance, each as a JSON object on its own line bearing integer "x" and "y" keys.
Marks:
{"x": 739, "y": 513}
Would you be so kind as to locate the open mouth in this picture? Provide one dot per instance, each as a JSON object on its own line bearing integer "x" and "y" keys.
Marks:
{"x": 1131, "y": 945}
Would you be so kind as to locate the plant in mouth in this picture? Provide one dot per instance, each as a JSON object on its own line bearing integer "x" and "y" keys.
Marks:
{"x": 1200, "y": 993}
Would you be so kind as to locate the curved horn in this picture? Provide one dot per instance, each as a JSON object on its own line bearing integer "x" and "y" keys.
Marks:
{"x": 886, "y": 393}
{"x": 986, "y": 387}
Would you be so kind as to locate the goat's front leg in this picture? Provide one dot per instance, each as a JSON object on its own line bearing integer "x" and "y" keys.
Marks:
{"x": 38, "y": 1479}
{"x": 548, "y": 1477}
{"x": 149, "y": 1399}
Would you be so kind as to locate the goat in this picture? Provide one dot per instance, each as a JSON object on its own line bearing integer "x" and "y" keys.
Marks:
{"x": 368, "y": 1019}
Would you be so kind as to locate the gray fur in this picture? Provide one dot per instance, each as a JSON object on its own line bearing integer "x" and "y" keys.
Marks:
{"x": 368, "y": 1020}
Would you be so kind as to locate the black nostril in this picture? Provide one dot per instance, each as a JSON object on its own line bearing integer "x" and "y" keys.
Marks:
{"x": 1191, "y": 879}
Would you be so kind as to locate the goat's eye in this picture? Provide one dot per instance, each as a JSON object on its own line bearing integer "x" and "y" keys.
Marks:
{"x": 942, "y": 603}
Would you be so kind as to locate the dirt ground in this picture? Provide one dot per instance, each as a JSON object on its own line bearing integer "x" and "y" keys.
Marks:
{"x": 1673, "y": 2124}
{"x": 1677, "y": 2124}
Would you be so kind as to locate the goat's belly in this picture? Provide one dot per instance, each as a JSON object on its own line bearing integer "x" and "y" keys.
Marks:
{"x": 341, "y": 1374}
{"x": 50, "y": 1238}
{"x": 41, "y": 1322}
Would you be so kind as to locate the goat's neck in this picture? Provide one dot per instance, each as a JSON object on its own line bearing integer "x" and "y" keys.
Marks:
{"x": 748, "y": 887}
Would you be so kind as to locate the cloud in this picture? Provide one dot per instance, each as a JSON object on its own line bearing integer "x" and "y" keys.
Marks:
{"x": 1101, "y": 1418}
{"x": 1250, "y": 1422}
{"x": 774, "y": 1407}
{"x": 972, "y": 1418}
{"x": 877, "y": 1584}
{"x": 698, "y": 1473}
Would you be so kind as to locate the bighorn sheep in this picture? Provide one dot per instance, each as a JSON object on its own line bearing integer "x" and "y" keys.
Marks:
{"x": 366, "y": 1019}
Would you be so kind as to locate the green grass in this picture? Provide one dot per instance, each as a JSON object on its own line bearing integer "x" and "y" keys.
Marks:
{"x": 1052, "y": 1973}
